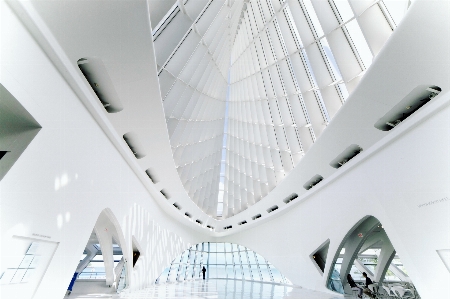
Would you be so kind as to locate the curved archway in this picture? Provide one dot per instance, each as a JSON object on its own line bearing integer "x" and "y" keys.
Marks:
{"x": 367, "y": 248}
{"x": 222, "y": 261}
{"x": 109, "y": 232}
{"x": 105, "y": 255}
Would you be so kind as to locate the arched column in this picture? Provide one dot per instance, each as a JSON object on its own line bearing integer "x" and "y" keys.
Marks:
{"x": 355, "y": 240}
{"x": 385, "y": 259}
{"x": 105, "y": 239}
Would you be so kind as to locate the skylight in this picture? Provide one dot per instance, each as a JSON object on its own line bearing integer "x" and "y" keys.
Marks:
{"x": 238, "y": 129}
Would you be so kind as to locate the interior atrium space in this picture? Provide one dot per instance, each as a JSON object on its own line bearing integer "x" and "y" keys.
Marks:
{"x": 224, "y": 149}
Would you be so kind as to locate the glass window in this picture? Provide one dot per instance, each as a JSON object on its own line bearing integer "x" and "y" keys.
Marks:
{"x": 244, "y": 259}
{"x": 212, "y": 260}
{"x": 220, "y": 258}
{"x": 230, "y": 271}
{"x": 229, "y": 258}
{"x": 236, "y": 258}
{"x": 226, "y": 261}
{"x": 260, "y": 259}
{"x": 251, "y": 257}
{"x": 277, "y": 277}
{"x": 360, "y": 42}
{"x": 344, "y": 9}
{"x": 255, "y": 272}
{"x": 220, "y": 247}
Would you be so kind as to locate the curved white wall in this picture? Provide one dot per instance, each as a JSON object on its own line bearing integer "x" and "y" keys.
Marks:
{"x": 71, "y": 172}
{"x": 394, "y": 184}
{"x": 394, "y": 179}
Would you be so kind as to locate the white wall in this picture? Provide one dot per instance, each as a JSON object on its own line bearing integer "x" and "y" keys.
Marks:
{"x": 71, "y": 172}
{"x": 391, "y": 185}
{"x": 71, "y": 149}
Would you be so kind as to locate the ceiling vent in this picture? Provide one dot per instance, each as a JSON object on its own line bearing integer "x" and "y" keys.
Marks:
{"x": 165, "y": 193}
{"x": 188, "y": 215}
{"x": 290, "y": 198}
{"x": 152, "y": 176}
{"x": 199, "y": 221}
{"x": 95, "y": 72}
{"x": 256, "y": 217}
{"x": 228, "y": 227}
{"x": 177, "y": 206}
{"x": 210, "y": 227}
{"x": 418, "y": 97}
{"x": 313, "y": 181}
{"x": 348, "y": 154}
{"x": 136, "y": 148}
{"x": 274, "y": 208}
{"x": 242, "y": 222}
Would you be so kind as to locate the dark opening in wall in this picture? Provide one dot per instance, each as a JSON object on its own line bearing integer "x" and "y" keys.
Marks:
{"x": 165, "y": 193}
{"x": 313, "y": 181}
{"x": 348, "y": 154}
{"x": 210, "y": 227}
{"x": 2, "y": 153}
{"x": 136, "y": 255}
{"x": 290, "y": 198}
{"x": 136, "y": 148}
{"x": 150, "y": 173}
{"x": 228, "y": 227}
{"x": 96, "y": 74}
{"x": 176, "y": 206}
{"x": 242, "y": 222}
{"x": 188, "y": 215}
{"x": 256, "y": 217}
{"x": 271, "y": 209}
{"x": 199, "y": 221}
{"x": 417, "y": 98}
{"x": 17, "y": 130}
{"x": 319, "y": 256}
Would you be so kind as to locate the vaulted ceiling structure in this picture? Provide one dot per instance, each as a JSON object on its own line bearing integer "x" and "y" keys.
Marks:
{"x": 248, "y": 86}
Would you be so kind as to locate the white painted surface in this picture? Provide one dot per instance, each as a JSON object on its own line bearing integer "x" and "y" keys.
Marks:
{"x": 71, "y": 171}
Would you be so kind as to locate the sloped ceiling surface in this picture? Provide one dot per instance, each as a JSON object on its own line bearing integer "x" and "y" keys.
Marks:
{"x": 248, "y": 86}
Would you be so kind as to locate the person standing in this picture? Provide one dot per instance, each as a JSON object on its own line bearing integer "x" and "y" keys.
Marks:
{"x": 204, "y": 272}
{"x": 353, "y": 285}
{"x": 367, "y": 291}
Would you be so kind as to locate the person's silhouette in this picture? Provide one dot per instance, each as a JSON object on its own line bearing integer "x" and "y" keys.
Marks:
{"x": 204, "y": 272}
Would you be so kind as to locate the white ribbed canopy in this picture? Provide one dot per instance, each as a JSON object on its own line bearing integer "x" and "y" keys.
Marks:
{"x": 248, "y": 86}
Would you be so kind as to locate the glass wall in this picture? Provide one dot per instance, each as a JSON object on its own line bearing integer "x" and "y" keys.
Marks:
{"x": 96, "y": 267}
{"x": 221, "y": 260}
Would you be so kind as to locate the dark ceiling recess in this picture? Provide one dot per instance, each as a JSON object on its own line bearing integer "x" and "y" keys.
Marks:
{"x": 152, "y": 176}
{"x": 136, "y": 148}
{"x": 417, "y": 98}
{"x": 96, "y": 74}
{"x": 290, "y": 198}
{"x": 313, "y": 181}
{"x": 348, "y": 154}
{"x": 165, "y": 194}
{"x": 136, "y": 255}
{"x": 2, "y": 153}
{"x": 256, "y": 217}
{"x": 271, "y": 209}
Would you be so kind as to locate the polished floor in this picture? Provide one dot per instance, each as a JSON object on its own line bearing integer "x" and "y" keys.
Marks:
{"x": 209, "y": 289}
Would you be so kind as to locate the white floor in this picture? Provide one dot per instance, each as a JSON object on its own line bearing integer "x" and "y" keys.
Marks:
{"x": 209, "y": 289}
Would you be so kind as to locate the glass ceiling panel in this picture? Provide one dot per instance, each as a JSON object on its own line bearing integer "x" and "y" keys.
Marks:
{"x": 251, "y": 85}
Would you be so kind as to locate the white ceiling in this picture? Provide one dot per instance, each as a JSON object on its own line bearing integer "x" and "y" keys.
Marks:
{"x": 132, "y": 60}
